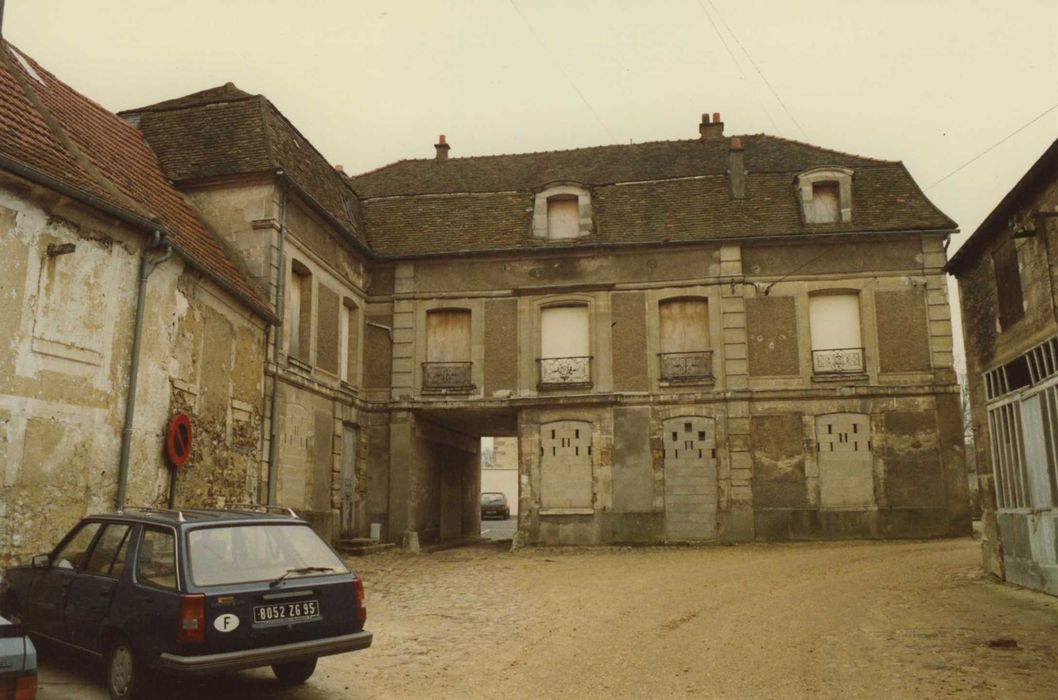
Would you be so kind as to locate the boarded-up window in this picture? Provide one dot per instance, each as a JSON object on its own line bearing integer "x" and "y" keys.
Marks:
{"x": 563, "y": 217}
{"x": 299, "y": 312}
{"x": 564, "y": 332}
{"x": 328, "y": 329}
{"x": 1008, "y": 284}
{"x": 684, "y": 325}
{"x": 824, "y": 208}
{"x": 834, "y": 321}
{"x": 350, "y": 340}
{"x": 448, "y": 335}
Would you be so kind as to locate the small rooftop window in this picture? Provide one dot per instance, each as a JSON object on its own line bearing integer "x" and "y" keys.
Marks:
{"x": 825, "y": 195}
{"x": 562, "y": 212}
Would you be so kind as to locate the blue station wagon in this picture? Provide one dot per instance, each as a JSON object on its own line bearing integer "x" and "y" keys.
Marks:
{"x": 191, "y": 592}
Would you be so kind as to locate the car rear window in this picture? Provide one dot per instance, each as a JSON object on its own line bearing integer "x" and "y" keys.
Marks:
{"x": 492, "y": 498}
{"x": 256, "y": 552}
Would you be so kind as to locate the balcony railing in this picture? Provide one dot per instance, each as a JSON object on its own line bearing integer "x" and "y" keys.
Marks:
{"x": 565, "y": 372}
{"x": 686, "y": 366}
{"x": 838, "y": 361}
{"x": 447, "y": 376}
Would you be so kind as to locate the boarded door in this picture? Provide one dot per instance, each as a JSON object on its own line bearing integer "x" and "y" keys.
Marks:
{"x": 690, "y": 479}
{"x": 846, "y": 468}
{"x": 565, "y": 465}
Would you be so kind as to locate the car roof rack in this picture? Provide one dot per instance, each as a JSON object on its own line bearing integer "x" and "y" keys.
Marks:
{"x": 285, "y": 510}
{"x": 150, "y": 509}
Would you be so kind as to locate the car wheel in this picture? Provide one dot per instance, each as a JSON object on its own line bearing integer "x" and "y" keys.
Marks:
{"x": 507, "y": 514}
{"x": 124, "y": 674}
{"x": 295, "y": 672}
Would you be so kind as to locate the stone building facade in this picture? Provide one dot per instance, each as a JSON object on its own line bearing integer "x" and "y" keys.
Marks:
{"x": 84, "y": 213}
{"x": 1008, "y": 281}
{"x": 716, "y": 339}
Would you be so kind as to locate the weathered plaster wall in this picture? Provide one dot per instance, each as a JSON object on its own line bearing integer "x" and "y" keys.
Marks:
{"x": 68, "y": 320}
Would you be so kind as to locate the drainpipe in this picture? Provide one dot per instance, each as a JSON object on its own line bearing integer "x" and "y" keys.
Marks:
{"x": 147, "y": 266}
{"x": 277, "y": 337}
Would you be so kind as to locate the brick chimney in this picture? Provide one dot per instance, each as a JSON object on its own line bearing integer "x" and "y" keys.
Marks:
{"x": 711, "y": 129}
{"x": 736, "y": 168}
{"x": 442, "y": 149}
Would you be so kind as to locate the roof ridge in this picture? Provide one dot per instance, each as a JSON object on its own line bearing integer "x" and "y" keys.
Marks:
{"x": 820, "y": 148}
{"x": 268, "y": 143}
{"x": 540, "y": 153}
{"x": 166, "y": 106}
{"x": 687, "y": 141}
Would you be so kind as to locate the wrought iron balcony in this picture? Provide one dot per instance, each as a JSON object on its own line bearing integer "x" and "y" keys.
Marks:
{"x": 838, "y": 361}
{"x": 447, "y": 376}
{"x": 556, "y": 372}
{"x": 686, "y": 366}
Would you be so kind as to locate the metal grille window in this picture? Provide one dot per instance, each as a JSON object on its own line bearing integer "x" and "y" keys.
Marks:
{"x": 1008, "y": 456}
{"x": 1035, "y": 366}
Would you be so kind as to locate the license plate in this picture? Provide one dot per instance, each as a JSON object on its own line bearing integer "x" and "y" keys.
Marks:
{"x": 279, "y": 612}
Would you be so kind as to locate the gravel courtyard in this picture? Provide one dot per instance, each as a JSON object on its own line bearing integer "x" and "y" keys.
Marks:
{"x": 852, "y": 619}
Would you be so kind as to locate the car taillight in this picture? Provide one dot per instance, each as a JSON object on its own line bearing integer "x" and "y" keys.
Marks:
{"x": 361, "y": 611}
{"x": 21, "y": 688}
{"x": 26, "y": 688}
{"x": 192, "y": 618}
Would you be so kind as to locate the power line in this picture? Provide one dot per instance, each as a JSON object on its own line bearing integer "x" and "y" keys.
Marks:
{"x": 572, "y": 84}
{"x": 738, "y": 65}
{"x": 998, "y": 143}
{"x": 759, "y": 71}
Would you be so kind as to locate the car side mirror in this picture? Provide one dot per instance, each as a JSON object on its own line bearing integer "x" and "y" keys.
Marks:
{"x": 41, "y": 561}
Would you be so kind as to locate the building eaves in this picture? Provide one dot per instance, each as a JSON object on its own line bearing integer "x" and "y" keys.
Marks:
{"x": 1043, "y": 170}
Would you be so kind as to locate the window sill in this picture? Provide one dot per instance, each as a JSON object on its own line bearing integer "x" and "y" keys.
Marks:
{"x": 441, "y": 391}
{"x": 561, "y": 387}
{"x": 695, "y": 381}
{"x": 567, "y": 511}
{"x": 837, "y": 377}
{"x": 300, "y": 364}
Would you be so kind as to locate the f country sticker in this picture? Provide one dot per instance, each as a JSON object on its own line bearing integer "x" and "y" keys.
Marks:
{"x": 226, "y": 622}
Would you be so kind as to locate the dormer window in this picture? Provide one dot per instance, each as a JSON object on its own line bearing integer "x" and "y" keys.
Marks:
{"x": 562, "y": 212}
{"x": 826, "y": 195}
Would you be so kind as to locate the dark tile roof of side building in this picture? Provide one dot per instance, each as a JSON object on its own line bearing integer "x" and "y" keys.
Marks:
{"x": 225, "y": 131}
{"x": 53, "y": 135}
{"x": 1043, "y": 172}
{"x": 649, "y": 192}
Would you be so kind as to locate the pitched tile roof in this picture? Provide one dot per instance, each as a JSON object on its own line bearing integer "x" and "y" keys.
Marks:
{"x": 225, "y": 131}
{"x": 650, "y": 192}
{"x": 67, "y": 138}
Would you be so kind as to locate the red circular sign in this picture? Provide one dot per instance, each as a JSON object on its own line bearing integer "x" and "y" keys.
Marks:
{"x": 178, "y": 440}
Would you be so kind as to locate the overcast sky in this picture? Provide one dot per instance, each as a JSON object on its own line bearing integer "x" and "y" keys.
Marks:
{"x": 932, "y": 83}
